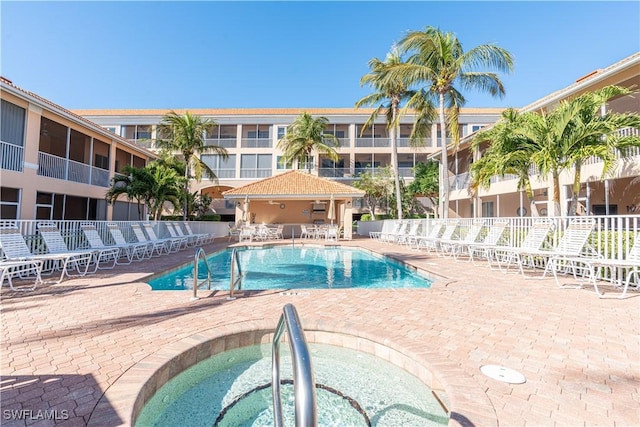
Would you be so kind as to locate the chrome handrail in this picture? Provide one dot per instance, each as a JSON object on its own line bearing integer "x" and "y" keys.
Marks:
{"x": 200, "y": 254}
{"x": 304, "y": 383}
{"x": 235, "y": 265}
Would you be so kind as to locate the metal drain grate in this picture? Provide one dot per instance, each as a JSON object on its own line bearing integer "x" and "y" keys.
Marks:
{"x": 503, "y": 374}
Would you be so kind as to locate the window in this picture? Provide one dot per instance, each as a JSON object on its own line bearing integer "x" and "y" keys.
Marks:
{"x": 255, "y": 165}
{"x": 281, "y": 131}
{"x": 223, "y": 168}
{"x": 111, "y": 129}
{"x": 281, "y": 164}
{"x": 258, "y": 134}
{"x": 476, "y": 128}
{"x": 308, "y": 163}
{"x": 12, "y": 123}
{"x": 487, "y": 210}
{"x": 9, "y": 203}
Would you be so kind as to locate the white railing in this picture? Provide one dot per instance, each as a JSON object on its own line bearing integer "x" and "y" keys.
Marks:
{"x": 52, "y": 166}
{"x": 60, "y": 168}
{"x": 225, "y": 173}
{"x": 459, "y": 182}
{"x": 222, "y": 142}
{"x": 611, "y": 239}
{"x": 74, "y": 238}
{"x": 255, "y": 173}
{"x": 256, "y": 143}
{"x": 11, "y": 156}
{"x": 333, "y": 172}
{"x": 373, "y": 142}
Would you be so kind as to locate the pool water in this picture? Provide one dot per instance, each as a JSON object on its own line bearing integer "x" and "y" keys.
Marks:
{"x": 285, "y": 267}
{"x": 354, "y": 389}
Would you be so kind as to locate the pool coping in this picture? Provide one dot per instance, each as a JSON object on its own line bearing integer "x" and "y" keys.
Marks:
{"x": 122, "y": 402}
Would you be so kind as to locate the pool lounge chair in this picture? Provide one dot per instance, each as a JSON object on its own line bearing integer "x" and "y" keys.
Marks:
{"x": 176, "y": 232}
{"x": 56, "y": 244}
{"x": 135, "y": 251}
{"x": 205, "y": 238}
{"x": 395, "y": 234}
{"x": 533, "y": 241}
{"x": 154, "y": 247}
{"x": 434, "y": 243}
{"x": 15, "y": 249}
{"x": 455, "y": 247}
{"x": 95, "y": 242}
{"x": 174, "y": 244}
{"x": 490, "y": 241}
{"x": 22, "y": 269}
{"x": 434, "y": 233}
{"x": 403, "y": 239}
{"x": 593, "y": 266}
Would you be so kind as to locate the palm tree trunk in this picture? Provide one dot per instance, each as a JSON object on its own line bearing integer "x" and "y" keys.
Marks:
{"x": 394, "y": 159}
{"x": 573, "y": 206}
{"x": 556, "y": 194}
{"x": 444, "y": 160}
{"x": 186, "y": 187}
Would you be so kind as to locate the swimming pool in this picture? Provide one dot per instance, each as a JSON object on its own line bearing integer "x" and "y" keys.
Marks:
{"x": 286, "y": 267}
{"x": 233, "y": 389}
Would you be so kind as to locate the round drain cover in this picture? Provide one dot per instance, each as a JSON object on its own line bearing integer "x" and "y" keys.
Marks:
{"x": 503, "y": 374}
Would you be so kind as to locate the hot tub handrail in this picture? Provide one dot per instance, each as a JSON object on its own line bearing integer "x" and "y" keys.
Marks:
{"x": 200, "y": 254}
{"x": 303, "y": 380}
{"x": 235, "y": 266}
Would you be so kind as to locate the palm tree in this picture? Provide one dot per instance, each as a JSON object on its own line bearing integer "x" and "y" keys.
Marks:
{"x": 185, "y": 134}
{"x": 390, "y": 91}
{"x": 166, "y": 187}
{"x": 556, "y": 141}
{"x": 305, "y": 135}
{"x": 132, "y": 182}
{"x": 596, "y": 135}
{"x": 438, "y": 60}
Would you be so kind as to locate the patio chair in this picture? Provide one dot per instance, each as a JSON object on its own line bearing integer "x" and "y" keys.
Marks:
{"x": 434, "y": 232}
{"x": 22, "y": 269}
{"x": 305, "y": 233}
{"x": 332, "y": 233}
{"x": 154, "y": 247}
{"x": 593, "y": 266}
{"x": 383, "y": 235}
{"x": 434, "y": 243}
{"x": 490, "y": 241}
{"x": 455, "y": 247}
{"x": 533, "y": 241}
{"x": 403, "y": 239}
{"x": 247, "y": 232}
{"x": 174, "y": 244}
{"x": 234, "y": 230}
{"x": 136, "y": 251}
{"x": 395, "y": 235}
{"x": 205, "y": 238}
{"x": 15, "y": 249}
{"x": 95, "y": 242}
{"x": 176, "y": 232}
{"x": 56, "y": 244}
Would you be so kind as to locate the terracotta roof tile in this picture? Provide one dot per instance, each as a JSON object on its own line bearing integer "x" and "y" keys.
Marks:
{"x": 295, "y": 185}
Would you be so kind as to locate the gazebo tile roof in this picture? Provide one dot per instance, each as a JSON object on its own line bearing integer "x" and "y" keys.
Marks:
{"x": 293, "y": 184}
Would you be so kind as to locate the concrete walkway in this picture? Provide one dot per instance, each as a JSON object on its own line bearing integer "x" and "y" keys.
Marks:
{"x": 65, "y": 346}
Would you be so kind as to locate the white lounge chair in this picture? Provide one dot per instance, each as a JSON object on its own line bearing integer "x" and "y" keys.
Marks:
{"x": 22, "y": 269}
{"x": 176, "y": 232}
{"x": 532, "y": 242}
{"x": 15, "y": 249}
{"x": 593, "y": 266}
{"x": 136, "y": 251}
{"x": 154, "y": 247}
{"x": 174, "y": 244}
{"x": 205, "y": 238}
{"x": 455, "y": 247}
{"x": 95, "y": 242}
{"x": 490, "y": 241}
{"x": 56, "y": 244}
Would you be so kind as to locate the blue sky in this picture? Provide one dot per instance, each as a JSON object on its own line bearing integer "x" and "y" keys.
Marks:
{"x": 287, "y": 54}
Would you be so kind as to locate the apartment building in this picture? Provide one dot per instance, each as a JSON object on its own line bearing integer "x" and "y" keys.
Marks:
{"x": 614, "y": 194}
{"x": 251, "y": 138}
{"x": 57, "y": 165}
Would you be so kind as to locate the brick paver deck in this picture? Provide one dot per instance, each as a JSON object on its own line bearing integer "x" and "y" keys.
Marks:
{"x": 66, "y": 346}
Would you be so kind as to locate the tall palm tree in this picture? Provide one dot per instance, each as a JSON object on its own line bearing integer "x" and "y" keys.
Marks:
{"x": 306, "y": 135}
{"x": 390, "y": 91}
{"x": 186, "y": 134}
{"x": 556, "y": 141}
{"x": 166, "y": 187}
{"x": 596, "y": 135}
{"x": 438, "y": 61}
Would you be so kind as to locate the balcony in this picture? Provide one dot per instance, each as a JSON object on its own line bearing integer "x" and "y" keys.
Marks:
{"x": 342, "y": 142}
{"x": 256, "y": 173}
{"x": 11, "y": 157}
{"x": 459, "y": 182}
{"x": 368, "y": 142}
{"x": 229, "y": 142}
{"x": 256, "y": 143}
{"x": 68, "y": 170}
{"x": 225, "y": 173}
{"x": 333, "y": 172}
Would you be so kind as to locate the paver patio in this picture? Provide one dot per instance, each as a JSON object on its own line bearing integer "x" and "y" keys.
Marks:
{"x": 64, "y": 346}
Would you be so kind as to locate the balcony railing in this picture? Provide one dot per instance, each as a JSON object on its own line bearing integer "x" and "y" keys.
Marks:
{"x": 333, "y": 172}
{"x": 12, "y": 157}
{"x": 255, "y": 173}
{"x": 222, "y": 142}
{"x": 60, "y": 168}
{"x": 342, "y": 142}
{"x": 225, "y": 173}
{"x": 459, "y": 182}
{"x": 372, "y": 142}
{"x": 256, "y": 142}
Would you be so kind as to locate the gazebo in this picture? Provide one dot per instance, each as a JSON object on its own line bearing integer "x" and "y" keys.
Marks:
{"x": 293, "y": 198}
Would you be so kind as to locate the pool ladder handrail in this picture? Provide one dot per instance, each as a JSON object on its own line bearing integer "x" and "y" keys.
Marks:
{"x": 200, "y": 254}
{"x": 304, "y": 383}
{"x": 235, "y": 266}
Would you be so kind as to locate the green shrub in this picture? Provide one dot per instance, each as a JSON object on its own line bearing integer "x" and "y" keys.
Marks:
{"x": 366, "y": 217}
{"x": 209, "y": 217}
